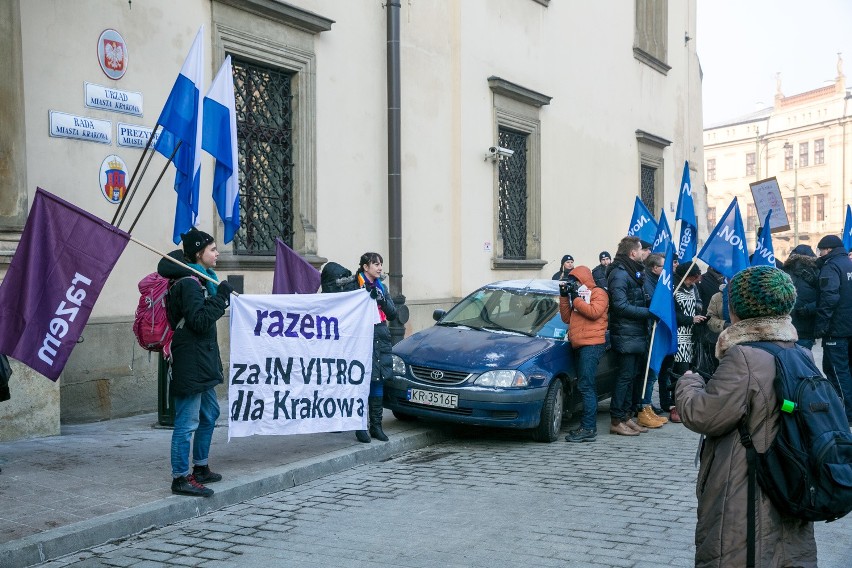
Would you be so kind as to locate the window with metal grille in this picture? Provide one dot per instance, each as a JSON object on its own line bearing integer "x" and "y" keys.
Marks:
{"x": 750, "y": 164}
{"x": 648, "y": 186}
{"x": 265, "y": 139}
{"x": 819, "y": 152}
{"x": 512, "y": 194}
{"x": 803, "y": 154}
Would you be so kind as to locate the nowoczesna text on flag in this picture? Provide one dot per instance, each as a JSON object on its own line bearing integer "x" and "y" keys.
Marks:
{"x": 686, "y": 213}
{"x": 662, "y": 306}
{"x": 181, "y": 121}
{"x": 764, "y": 253}
{"x": 663, "y": 239}
{"x": 219, "y": 139}
{"x": 300, "y": 363}
{"x": 642, "y": 223}
{"x": 59, "y": 268}
{"x": 725, "y": 249}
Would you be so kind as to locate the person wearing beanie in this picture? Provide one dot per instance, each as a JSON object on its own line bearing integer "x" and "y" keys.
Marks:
{"x": 761, "y": 298}
{"x": 565, "y": 266}
{"x": 629, "y": 318}
{"x": 833, "y": 320}
{"x": 599, "y": 272}
{"x": 193, "y": 307}
{"x": 801, "y": 266}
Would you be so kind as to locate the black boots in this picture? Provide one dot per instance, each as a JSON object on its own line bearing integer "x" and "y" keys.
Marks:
{"x": 375, "y": 403}
{"x": 362, "y": 436}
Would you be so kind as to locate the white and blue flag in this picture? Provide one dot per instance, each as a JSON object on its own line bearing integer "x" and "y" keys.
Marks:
{"x": 847, "y": 230}
{"x": 642, "y": 223}
{"x": 219, "y": 139}
{"x": 725, "y": 250}
{"x": 686, "y": 213}
{"x": 663, "y": 239}
{"x": 181, "y": 121}
{"x": 764, "y": 254}
{"x": 662, "y": 306}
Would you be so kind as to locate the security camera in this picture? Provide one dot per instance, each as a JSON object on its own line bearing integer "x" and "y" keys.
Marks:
{"x": 497, "y": 152}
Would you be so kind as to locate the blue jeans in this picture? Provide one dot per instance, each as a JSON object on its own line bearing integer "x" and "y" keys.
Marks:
{"x": 835, "y": 363}
{"x": 195, "y": 418}
{"x": 622, "y": 396}
{"x": 587, "y": 359}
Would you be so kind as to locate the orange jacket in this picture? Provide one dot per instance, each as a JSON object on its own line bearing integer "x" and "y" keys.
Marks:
{"x": 587, "y": 322}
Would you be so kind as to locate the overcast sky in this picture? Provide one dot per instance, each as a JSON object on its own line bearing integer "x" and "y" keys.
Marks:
{"x": 742, "y": 44}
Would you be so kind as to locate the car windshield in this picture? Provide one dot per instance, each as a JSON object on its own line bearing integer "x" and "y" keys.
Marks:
{"x": 516, "y": 311}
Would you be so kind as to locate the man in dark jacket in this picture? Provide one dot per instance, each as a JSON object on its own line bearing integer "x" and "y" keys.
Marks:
{"x": 628, "y": 328}
{"x": 710, "y": 283}
{"x": 193, "y": 307}
{"x": 599, "y": 273}
{"x": 834, "y": 315}
{"x": 801, "y": 267}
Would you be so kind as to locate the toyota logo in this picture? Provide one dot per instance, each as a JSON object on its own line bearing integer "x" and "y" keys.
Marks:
{"x": 437, "y": 375}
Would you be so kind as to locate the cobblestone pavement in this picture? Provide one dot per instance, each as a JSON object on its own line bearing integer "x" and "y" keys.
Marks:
{"x": 486, "y": 498}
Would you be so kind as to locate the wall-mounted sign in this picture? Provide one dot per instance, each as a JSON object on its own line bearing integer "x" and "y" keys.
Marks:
{"x": 63, "y": 125}
{"x": 128, "y": 102}
{"x": 112, "y": 54}
{"x": 135, "y": 136}
{"x": 113, "y": 179}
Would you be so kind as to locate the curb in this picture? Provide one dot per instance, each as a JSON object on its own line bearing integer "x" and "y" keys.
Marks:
{"x": 55, "y": 543}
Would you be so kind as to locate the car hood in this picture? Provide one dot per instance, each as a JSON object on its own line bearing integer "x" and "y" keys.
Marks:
{"x": 464, "y": 349}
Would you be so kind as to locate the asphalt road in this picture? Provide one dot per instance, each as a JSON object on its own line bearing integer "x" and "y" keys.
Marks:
{"x": 486, "y": 498}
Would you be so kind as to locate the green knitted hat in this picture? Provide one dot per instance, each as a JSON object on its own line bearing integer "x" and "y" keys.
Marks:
{"x": 761, "y": 291}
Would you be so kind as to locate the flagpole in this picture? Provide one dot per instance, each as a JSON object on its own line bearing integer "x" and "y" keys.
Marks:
{"x": 156, "y": 183}
{"x": 176, "y": 261}
{"x": 648, "y": 362}
{"x": 128, "y": 196}
{"x": 691, "y": 264}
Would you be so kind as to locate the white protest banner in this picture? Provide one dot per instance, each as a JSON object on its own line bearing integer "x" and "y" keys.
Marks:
{"x": 300, "y": 363}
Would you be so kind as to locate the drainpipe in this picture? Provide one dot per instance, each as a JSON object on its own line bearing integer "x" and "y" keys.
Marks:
{"x": 397, "y": 327}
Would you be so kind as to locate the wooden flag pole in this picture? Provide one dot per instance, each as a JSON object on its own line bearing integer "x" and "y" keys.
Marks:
{"x": 156, "y": 183}
{"x": 179, "y": 263}
{"x": 648, "y": 362}
{"x": 128, "y": 195}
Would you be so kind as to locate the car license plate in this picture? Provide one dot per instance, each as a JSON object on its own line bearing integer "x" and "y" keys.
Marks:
{"x": 432, "y": 398}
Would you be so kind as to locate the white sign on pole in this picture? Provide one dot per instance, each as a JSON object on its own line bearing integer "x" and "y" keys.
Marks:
{"x": 300, "y": 363}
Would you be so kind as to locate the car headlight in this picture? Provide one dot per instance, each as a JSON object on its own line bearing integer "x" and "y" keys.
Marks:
{"x": 503, "y": 378}
{"x": 398, "y": 365}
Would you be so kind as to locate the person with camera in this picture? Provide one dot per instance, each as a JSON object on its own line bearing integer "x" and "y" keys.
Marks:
{"x": 193, "y": 307}
{"x": 369, "y": 277}
{"x": 629, "y": 317}
{"x": 583, "y": 306}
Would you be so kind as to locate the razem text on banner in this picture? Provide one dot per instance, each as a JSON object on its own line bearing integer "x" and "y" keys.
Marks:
{"x": 300, "y": 363}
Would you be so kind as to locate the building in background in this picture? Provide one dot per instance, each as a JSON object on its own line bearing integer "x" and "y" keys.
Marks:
{"x": 591, "y": 119}
{"x": 805, "y": 142}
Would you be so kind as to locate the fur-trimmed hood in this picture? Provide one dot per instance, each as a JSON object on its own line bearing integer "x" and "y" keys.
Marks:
{"x": 770, "y": 328}
{"x": 804, "y": 267}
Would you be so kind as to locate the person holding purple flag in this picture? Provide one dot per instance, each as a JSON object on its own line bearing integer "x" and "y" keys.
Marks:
{"x": 193, "y": 308}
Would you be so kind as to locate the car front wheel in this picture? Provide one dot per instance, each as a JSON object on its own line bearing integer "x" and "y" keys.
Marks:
{"x": 402, "y": 416}
{"x": 551, "y": 414}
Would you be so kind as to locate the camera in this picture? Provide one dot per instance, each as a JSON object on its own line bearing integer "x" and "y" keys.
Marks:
{"x": 498, "y": 152}
{"x": 569, "y": 288}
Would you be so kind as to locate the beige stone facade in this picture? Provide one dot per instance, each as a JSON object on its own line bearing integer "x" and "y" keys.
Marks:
{"x": 592, "y": 110}
{"x": 805, "y": 142}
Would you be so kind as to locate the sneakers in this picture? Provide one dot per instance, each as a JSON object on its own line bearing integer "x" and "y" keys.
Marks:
{"x": 581, "y": 435}
{"x": 648, "y": 419}
{"x": 674, "y": 416}
{"x": 187, "y": 485}
{"x": 202, "y": 474}
{"x": 622, "y": 429}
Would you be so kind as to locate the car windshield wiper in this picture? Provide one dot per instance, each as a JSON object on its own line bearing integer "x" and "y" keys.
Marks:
{"x": 457, "y": 324}
{"x": 499, "y": 327}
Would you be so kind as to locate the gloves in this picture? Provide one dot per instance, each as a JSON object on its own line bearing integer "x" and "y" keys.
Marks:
{"x": 573, "y": 293}
{"x": 224, "y": 290}
{"x": 563, "y": 289}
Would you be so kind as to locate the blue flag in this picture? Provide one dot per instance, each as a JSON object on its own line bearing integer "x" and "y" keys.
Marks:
{"x": 725, "y": 250}
{"x": 847, "y": 230}
{"x": 686, "y": 213}
{"x": 181, "y": 122}
{"x": 663, "y": 239}
{"x": 764, "y": 254}
{"x": 219, "y": 139}
{"x": 642, "y": 223}
{"x": 662, "y": 306}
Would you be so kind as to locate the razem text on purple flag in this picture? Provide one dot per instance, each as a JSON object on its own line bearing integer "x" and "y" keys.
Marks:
{"x": 60, "y": 266}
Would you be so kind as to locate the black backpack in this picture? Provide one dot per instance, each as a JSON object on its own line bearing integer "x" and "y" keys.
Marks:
{"x": 337, "y": 278}
{"x": 807, "y": 470}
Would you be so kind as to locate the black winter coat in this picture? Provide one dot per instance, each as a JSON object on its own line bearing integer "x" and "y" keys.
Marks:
{"x": 834, "y": 308}
{"x": 599, "y": 275}
{"x": 628, "y": 307}
{"x": 196, "y": 363}
{"x": 709, "y": 284}
{"x": 803, "y": 271}
{"x": 382, "y": 361}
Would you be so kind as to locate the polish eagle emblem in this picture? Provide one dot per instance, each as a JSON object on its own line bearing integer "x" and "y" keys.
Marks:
{"x": 113, "y": 55}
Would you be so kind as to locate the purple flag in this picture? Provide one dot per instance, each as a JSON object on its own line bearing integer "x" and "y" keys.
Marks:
{"x": 293, "y": 275}
{"x": 62, "y": 262}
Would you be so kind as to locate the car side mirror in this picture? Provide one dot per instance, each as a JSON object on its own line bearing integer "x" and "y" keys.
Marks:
{"x": 438, "y": 314}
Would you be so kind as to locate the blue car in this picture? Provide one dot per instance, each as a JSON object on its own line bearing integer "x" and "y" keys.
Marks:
{"x": 497, "y": 358}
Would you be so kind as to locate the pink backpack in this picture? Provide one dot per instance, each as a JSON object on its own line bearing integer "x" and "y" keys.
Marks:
{"x": 151, "y": 326}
